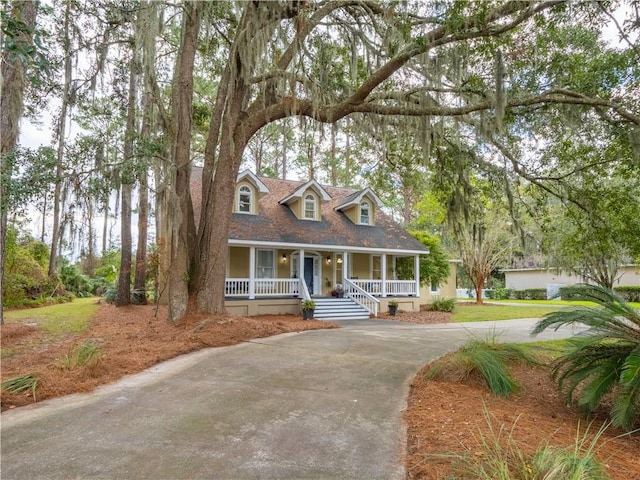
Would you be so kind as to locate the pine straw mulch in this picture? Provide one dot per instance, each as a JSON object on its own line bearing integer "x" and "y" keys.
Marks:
{"x": 130, "y": 340}
{"x": 446, "y": 417}
{"x": 442, "y": 417}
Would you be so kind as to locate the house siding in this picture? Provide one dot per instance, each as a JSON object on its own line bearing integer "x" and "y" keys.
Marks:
{"x": 238, "y": 262}
{"x": 540, "y": 278}
{"x": 360, "y": 265}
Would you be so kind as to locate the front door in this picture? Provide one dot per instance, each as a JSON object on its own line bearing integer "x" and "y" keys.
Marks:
{"x": 308, "y": 274}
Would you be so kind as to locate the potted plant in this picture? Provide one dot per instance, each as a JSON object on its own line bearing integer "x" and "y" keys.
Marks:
{"x": 308, "y": 307}
{"x": 338, "y": 291}
{"x": 393, "y": 307}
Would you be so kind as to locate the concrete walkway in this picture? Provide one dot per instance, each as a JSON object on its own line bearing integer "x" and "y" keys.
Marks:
{"x": 319, "y": 404}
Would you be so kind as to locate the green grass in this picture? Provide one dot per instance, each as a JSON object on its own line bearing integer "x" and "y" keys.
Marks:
{"x": 58, "y": 319}
{"x": 566, "y": 303}
{"x": 488, "y": 358}
{"x": 484, "y": 313}
{"x": 22, "y": 383}
{"x": 80, "y": 355}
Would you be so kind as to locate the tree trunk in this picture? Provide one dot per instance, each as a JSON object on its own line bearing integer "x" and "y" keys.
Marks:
{"x": 61, "y": 133}
{"x": 143, "y": 214}
{"x": 210, "y": 290}
{"x": 182, "y": 237}
{"x": 479, "y": 286}
{"x": 11, "y": 103}
{"x": 123, "y": 296}
{"x": 141, "y": 250}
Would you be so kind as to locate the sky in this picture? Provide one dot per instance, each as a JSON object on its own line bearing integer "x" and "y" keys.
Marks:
{"x": 35, "y": 135}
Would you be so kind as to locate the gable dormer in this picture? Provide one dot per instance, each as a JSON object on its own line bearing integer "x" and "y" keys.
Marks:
{"x": 306, "y": 200}
{"x": 361, "y": 207}
{"x": 249, "y": 189}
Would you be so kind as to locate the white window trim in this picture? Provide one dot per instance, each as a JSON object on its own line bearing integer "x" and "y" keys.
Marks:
{"x": 315, "y": 207}
{"x": 273, "y": 262}
{"x": 317, "y": 269}
{"x": 251, "y": 200}
{"x": 368, "y": 204}
{"x": 371, "y": 263}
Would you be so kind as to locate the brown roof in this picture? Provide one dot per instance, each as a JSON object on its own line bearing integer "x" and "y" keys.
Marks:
{"x": 277, "y": 223}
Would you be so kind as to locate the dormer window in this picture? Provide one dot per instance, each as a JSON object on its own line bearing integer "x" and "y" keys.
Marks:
{"x": 310, "y": 207}
{"x": 245, "y": 200}
{"x": 365, "y": 213}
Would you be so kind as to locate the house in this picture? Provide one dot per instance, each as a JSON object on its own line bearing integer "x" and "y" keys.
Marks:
{"x": 524, "y": 278}
{"x": 291, "y": 241}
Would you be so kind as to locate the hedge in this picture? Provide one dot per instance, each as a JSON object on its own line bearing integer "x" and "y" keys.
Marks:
{"x": 530, "y": 294}
{"x": 630, "y": 293}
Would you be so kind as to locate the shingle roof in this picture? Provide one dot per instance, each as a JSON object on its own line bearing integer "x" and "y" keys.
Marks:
{"x": 276, "y": 223}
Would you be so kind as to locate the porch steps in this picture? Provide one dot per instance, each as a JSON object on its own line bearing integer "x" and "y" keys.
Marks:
{"x": 339, "y": 309}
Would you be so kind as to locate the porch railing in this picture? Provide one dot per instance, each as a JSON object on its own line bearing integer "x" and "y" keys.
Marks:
{"x": 263, "y": 287}
{"x": 361, "y": 296}
{"x": 401, "y": 288}
{"x": 394, "y": 288}
{"x": 374, "y": 287}
{"x": 296, "y": 287}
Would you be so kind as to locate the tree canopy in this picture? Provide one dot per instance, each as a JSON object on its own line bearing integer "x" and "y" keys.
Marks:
{"x": 515, "y": 94}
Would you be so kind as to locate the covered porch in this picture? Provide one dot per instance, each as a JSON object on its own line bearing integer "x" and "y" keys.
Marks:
{"x": 364, "y": 275}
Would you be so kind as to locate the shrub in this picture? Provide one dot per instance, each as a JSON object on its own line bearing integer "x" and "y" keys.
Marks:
{"x": 605, "y": 362}
{"x": 80, "y": 355}
{"x": 501, "y": 293}
{"x": 443, "y": 304}
{"x": 308, "y": 305}
{"x": 531, "y": 294}
{"x": 487, "y": 358}
{"x": 536, "y": 293}
{"x": 22, "y": 383}
{"x": 501, "y": 457}
{"x": 75, "y": 282}
{"x": 630, "y": 293}
{"x": 110, "y": 294}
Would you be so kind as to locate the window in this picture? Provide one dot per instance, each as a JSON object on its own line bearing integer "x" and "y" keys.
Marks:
{"x": 365, "y": 217}
{"x": 244, "y": 199}
{"x": 376, "y": 267}
{"x": 310, "y": 207}
{"x": 435, "y": 289}
{"x": 265, "y": 264}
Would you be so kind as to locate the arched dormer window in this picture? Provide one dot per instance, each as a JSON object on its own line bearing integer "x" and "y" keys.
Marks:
{"x": 365, "y": 213}
{"x": 245, "y": 199}
{"x": 310, "y": 207}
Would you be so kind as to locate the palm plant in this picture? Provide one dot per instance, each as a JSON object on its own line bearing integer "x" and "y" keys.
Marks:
{"x": 607, "y": 360}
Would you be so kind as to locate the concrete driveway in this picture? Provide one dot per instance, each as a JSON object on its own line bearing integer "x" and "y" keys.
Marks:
{"x": 319, "y": 404}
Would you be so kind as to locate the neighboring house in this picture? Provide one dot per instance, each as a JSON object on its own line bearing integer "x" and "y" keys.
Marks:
{"x": 523, "y": 278}
{"x": 290, "y": 241}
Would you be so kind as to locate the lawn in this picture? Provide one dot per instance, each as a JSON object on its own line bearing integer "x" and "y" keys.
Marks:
{"x": 59, "y": 319}
{"x": 481, "y": 313}
{"x": 565, "y": 303}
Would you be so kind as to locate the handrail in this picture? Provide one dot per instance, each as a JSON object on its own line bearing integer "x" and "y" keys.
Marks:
{"x": 361, "y": 296}
{"x": 304, "y": 289}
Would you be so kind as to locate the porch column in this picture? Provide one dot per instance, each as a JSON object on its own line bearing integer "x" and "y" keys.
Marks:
{"x": 301, "y": 266}
{"x": 383, "y": 276}
{"x": 345, "y": 265}
{"x": 416, "y": 269}
{"x": 252, "y": 273}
